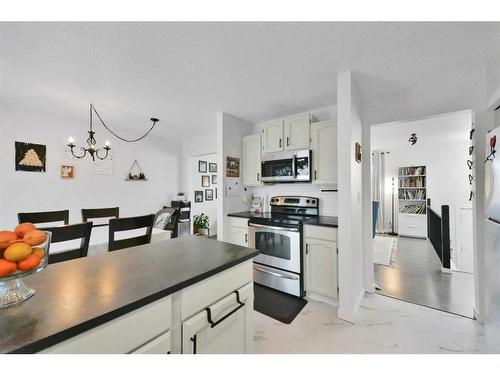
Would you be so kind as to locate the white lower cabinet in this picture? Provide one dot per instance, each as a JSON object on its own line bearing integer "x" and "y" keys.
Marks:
{"x": 160, "y": 345}
{"x": 412, "y": 225}
{"x": 239, "y": 231}
{"x": 221, "y": 328}
{"x": 321, "y": 263}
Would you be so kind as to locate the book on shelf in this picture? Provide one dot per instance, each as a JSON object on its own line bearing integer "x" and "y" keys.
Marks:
{"x": 412, "y": 194}
{"x": 413, "y": 209}
{"x": 412, "y": 171}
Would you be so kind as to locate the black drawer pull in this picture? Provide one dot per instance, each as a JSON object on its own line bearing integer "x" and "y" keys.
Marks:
{"x": 209, "y": 312}
{"x": 194, "y": 339}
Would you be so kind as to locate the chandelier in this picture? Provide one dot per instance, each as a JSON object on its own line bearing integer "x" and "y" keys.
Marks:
{"x": 91, "y": 149}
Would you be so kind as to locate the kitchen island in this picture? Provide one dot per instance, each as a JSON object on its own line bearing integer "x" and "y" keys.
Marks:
{"x": 185, "y": 295}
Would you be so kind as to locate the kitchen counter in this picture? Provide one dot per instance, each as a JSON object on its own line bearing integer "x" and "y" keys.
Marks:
{"x": 324, "y": 221}
{"x": 78, "y": 295}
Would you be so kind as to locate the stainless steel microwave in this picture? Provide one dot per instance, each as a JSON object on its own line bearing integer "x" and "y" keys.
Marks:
{"x": 292, "y": 166}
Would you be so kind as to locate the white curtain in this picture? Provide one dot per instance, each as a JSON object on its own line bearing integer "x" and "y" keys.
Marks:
{"x": 378, "y": 187}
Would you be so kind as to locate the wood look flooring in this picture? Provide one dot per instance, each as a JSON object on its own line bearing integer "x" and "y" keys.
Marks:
{"x": 416, "y": 277}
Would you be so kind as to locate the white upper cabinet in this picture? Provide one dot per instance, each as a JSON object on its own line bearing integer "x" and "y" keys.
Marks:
{"x": 324, "y": 152}
{"x": 252, "y": 146}
{"x": 297, "y": 132}
{"x": 272, "y": 136}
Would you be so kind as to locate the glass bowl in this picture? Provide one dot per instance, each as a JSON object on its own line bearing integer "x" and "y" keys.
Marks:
{"x": 12, "y": 287}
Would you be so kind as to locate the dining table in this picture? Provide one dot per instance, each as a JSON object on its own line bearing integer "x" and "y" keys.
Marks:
{"x": 99, "y": 239}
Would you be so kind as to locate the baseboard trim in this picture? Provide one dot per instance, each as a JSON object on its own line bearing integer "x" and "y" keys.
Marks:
{"x": 446, "y": 270}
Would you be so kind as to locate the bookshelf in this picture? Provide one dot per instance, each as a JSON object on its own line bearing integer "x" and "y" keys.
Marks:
{"x": 412, "y": 201}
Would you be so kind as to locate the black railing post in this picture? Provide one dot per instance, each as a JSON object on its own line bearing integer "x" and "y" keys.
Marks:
{"x": 428, "y": 217}
{"x": 445, "y": 233}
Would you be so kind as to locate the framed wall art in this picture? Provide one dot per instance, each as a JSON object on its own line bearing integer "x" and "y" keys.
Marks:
{"x": 212, "y": 167}
{"x": 209, "y": 194}
{"x": 202, "y": 166}
{"x": 198, "y": 196}
{"x": 205, "y": 181}
{"x": 232, "y": 167}
{"x": 214, "y": 179}
{"x": 30, "y": 157}
{"x": 67, "y": 171}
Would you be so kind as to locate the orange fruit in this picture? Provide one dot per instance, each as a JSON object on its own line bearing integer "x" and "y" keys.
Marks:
{"x": 31, "y": 262}
{"x": 17, "y": 252}
{"x": 7, "y": 238}
{"x": 7, "y": 267}
{"x": 39, "y": 252}
{"x": 23, "y": 228}
{"x": 35, "y": 237}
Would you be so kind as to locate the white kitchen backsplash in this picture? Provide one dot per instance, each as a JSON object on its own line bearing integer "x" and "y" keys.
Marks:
{"x": 327, "y": 200}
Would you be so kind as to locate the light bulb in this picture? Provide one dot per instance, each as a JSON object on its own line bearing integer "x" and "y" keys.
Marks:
{"x": 107, "y": 144}
{"x": 71, "y": 141}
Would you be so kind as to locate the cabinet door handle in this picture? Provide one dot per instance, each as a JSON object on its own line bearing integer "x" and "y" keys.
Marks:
{"x": 209, "y": 312}
{"x": 315, "y": 174}
{"x": 287, "y": 141}
{"x": 307, "y": 248}
{"x": 194, "y": 339}
{"x": 246, "y": 237}
{"x": 258, "y": 176}
{"x": 280, "y": 143}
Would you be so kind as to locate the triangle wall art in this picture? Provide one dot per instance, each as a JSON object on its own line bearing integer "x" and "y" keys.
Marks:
{"x": 30, "y": 157}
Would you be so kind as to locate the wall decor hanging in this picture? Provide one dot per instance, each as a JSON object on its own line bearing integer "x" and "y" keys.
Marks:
{"x": 202, "y": 166}
{"x": 232, "y": 167}
{"x": 30, "y": 157}
{"x": 357, "y": 152}
{"x": 136, "y": 173}
{"x": 198, "y": 196}
{"x": 214, "y": 179}
{"x": 67, "y": 171}
{"x": 104, "y": 167}
{"x": 212, "y": 167}
{"x": 209, "y": 194}
{"x": 413, "y": 139}
{"x": 205, "y": 181}
{"x": 101, "y": 153}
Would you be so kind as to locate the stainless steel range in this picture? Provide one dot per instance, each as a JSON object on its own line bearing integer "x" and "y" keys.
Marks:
{"x": 278, "y": 236}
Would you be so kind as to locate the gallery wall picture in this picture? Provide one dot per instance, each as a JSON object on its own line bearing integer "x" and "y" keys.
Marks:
{"x": 104, "y": 167}
{"x": 30, "y": 157}
{"x": 198, "y": 196}
{"x": 205, "y": 181}
{"x": 209, "y": 194}
{"x": 232, "y": 167}
{"x": 136, "y": 173}
{"x": 67, "y": 171}
{"x": 212, "y": 167}
{"x": 202, "y": 166}
{"x": 214, "y": 179}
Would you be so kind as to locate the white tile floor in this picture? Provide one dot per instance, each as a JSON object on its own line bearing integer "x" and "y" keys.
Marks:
{"x": 385, "y": 325}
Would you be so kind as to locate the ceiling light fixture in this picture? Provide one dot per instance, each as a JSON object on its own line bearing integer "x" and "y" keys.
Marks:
{"x": 101, "y": 153}
{"x": 413, "y": 138}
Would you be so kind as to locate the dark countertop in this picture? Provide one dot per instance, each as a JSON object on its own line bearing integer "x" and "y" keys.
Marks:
{"x": 324, "y": 221}
{"x": 74, "y": 296}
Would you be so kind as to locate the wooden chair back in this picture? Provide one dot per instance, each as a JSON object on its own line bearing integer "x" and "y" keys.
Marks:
{"x": 130, "y": 223}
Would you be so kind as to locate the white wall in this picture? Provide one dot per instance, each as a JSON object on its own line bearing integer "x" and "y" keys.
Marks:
{"x": 443, "y": 153}
{"x": 230, "y": 131}
{"x": 31, "y": 191}
{"x": 209, "y": 208}
{"x": 350, "y": 243}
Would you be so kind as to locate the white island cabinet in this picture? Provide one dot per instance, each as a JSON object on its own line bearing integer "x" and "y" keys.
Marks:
{"x": 216, "y": 312}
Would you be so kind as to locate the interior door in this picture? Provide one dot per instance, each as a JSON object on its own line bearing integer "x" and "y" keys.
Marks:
{"x": 273, "y": 136}
{"x": 324, "y": 148}
{"x": 297, "y": 132}
{"x": 225, "y": 328}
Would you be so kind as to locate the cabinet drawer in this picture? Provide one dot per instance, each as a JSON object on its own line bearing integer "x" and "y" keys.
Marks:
{"x": 202, "y": 294}
{"x": 123, "y": 334}
{"x": 160, "y": 345}
{"x": 320, "y": 233}
{"x": 412, "y": 225}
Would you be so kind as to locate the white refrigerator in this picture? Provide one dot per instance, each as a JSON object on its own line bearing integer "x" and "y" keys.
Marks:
{"x": 492, "y": 226}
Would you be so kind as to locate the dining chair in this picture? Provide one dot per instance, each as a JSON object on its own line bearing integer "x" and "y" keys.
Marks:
{"x": 44, "y": 217}
{"x": 130, "y": 223}
{"x": 97, "y": 213}
{"x": 68, "y": 233}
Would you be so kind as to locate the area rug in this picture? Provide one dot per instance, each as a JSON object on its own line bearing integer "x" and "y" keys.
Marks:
{"x": 277, "y": 305}
{"x": 383, "y": 250}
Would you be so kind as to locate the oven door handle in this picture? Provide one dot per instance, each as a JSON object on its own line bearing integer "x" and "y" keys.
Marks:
{"x": 281, "y": 229}
{"x": 275, "y": 273}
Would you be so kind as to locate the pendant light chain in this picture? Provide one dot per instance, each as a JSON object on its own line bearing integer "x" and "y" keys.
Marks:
{"x": 92, "y": 108}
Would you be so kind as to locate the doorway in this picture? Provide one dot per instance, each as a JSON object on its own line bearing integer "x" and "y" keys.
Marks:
{"x": 423, "y": 230}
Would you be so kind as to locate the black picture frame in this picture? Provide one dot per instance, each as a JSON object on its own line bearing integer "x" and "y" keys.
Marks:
{"x": 214, "y": 179}
{"x": 205, "y": 181}
{"x": 198, "y": 196}
{"x": 30, "y": 157}
{"x": 209, "y": 194}
{"x": 202, "y": 166}
{"x": 212, "y": 167}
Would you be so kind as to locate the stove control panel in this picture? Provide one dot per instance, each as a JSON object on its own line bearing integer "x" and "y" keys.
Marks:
{"x": 295, "y": 201}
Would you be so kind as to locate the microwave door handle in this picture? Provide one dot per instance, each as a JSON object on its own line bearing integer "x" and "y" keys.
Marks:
{"x": 294, "y": 163}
